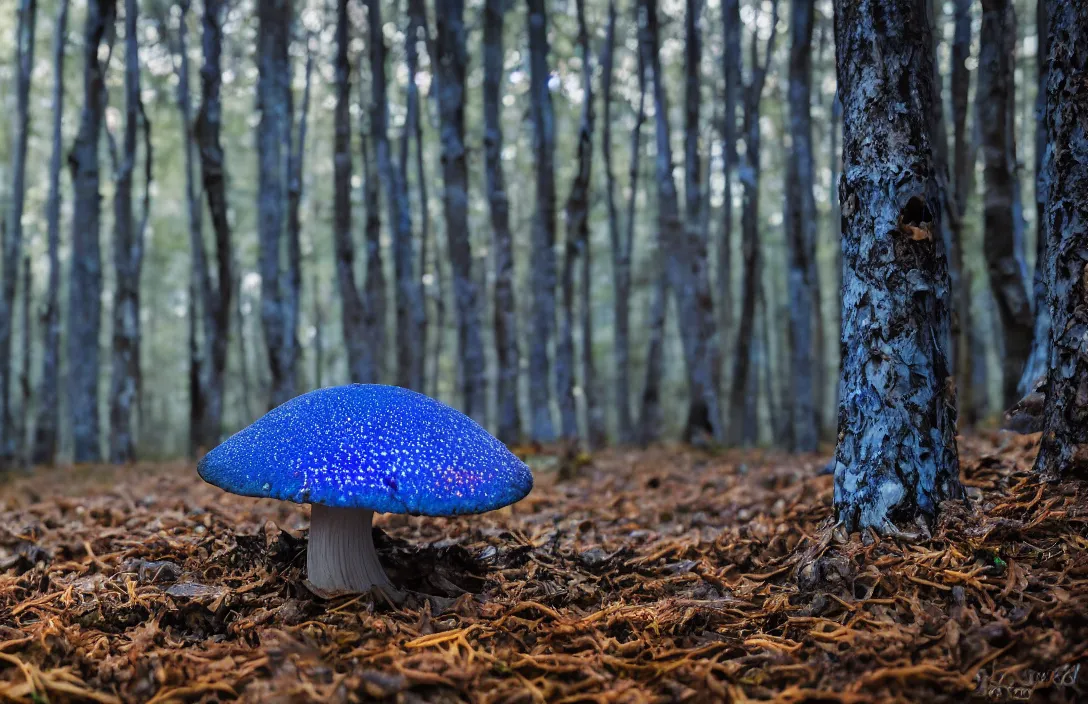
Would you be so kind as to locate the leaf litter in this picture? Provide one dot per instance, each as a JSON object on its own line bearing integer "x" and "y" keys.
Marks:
{"x": 643, "y": 576}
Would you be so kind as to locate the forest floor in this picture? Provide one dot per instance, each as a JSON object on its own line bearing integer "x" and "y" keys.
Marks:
{"x": 661, "y": 575}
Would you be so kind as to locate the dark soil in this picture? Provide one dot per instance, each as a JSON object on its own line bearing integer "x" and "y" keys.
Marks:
{"x": 665, "y": 575}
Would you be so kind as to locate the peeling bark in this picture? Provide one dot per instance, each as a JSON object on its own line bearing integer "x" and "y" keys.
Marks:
{"x": 1064, "y": 449}
{"x": 896, "y": 458}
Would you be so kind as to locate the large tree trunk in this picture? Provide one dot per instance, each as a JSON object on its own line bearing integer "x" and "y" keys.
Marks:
{"x": 801, "y": 233}
{"x": 743, "y": 404}
{"x": 577, "y": 212}
{"x": 12, "y": 234}
{"x": 620, "y": 244}
{"x": 352, "y": 306}
{"x": 1064, "y": 450}
{"x": 275, "y": 158}
{"x": 214, "y": 294}
{"x": 995, "y": 83}
{"x": 963, "y": 162}
{"x": 46, "y": 429}
{"x": 452, "y": 62}
{"x": 85, "y": 287}
{"x": 409, "y": 297}
{"x": 128, "y": 248}
{"x": 731, "y": 68}
{"x": 896, "y": 458}
{"x": 685, "y": 251}
{"x": 1036, "y": 367}
{"x": 544, "y": 268}
{"x": 506, "y": 331}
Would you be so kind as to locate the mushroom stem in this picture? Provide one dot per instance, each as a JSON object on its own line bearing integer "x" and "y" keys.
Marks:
{"x": 341, "y": 556}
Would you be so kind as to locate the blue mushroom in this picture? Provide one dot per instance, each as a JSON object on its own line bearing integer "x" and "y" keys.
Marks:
{"x": 352, "y": 450}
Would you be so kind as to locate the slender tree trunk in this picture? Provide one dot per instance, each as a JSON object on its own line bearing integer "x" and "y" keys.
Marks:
{"x": 506, "y": 332}
{"x": 275, "y": 157}
{"x": 962, "y": 178}
{"x": 1006, "y": 276}
{"x": 731, "y": 68}
{"x": 128, "y": 247}
{"x": 409, "y": 298}
{"x": 620, "y": 245}
{"x": 544, "y": 267}
{"x": 743, "y": 404}
{"x": 1036, "y": 367}
{"x": 85, "y": 287}
{"x": 319, "y": 334}
{"x": 801, "y": 232}
{"x": 452, "y": 61}
{"x": 649, "y": 419}
{"x": 290, "y": 346}
{"x": 13, "y": 234}
{"x": 46, "y": 429}
{"x": 23, "y": 418}
{"x": 376, "y": 305}
{"x": 686, "y": 252}
{"x": 214, "y": 294}
{"x": 577, "y": 212}
{"x": 699, "y": 420}
{"x": 413, "y": 129}
{"x": 353, "y": 314}
{"x": 896, "y": 458}
{"x": 1064, "y": 449}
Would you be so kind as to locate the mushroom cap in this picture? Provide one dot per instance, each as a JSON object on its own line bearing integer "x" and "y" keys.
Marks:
{"x": 370, "y": 446}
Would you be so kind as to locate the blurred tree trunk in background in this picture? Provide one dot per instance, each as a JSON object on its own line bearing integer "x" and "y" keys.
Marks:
{"x": 12, "y": 234}
{"x": 1064, "y": 449}
{"x": 896, "y": 458}
{"x": 731, "y": 68}
{"x": 128, "y": 252}
{"x": 451, "y": 63}
{"x": 279, "y": 290}
{"x": 413, "y": 129}
{"x": 702, "y": 421}
{"x": 409, "y": 298}
{"x": 506, "y": 331}
{"x": 596, "y": 433}
{"x": 544, "y": 267}
{"x": 1035, "y": 369}
{"x": 805, "y": 360}
{"x": 743, "y": 404}
{"x": 85, "y": 287}
{"x": 47, "y": 427}
{"x": 375, "y": 306}
{"x": 995, "y": 83}
{"x": 214, "y": 294}
{"x": 577, "y": 249}
{"x": 23, "y": 419}
{"x": 353, "y": 314}
{"x": 620, "y": 241}
{"x": 962, "y": 177}
{"x": 684, "y": 251}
